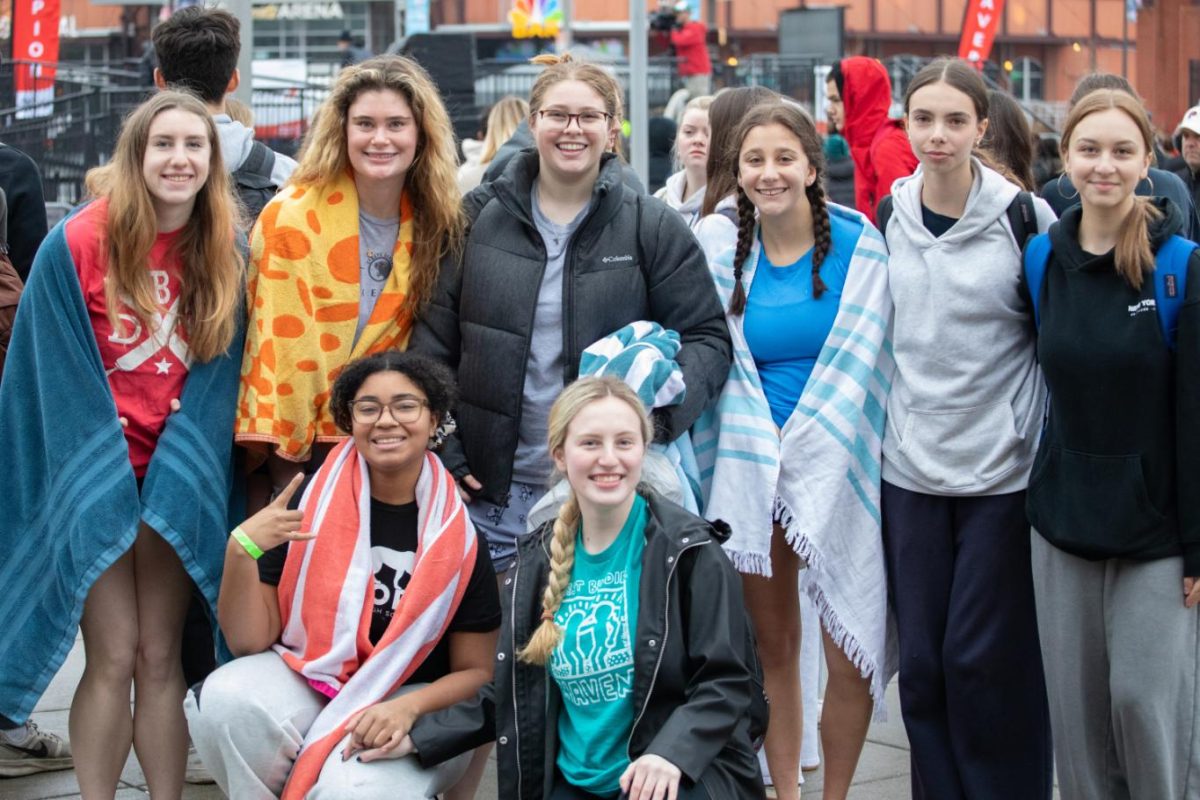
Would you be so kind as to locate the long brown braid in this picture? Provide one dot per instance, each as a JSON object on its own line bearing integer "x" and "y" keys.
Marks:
{"x": 801, "y": 126}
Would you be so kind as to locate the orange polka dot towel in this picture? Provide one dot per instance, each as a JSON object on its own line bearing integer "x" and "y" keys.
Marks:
{"x": 303, "y": 297}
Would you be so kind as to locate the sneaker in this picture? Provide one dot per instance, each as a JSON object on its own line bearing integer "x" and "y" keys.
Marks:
{"x": 196, "y": 772}
{"x": 39, "y": 752}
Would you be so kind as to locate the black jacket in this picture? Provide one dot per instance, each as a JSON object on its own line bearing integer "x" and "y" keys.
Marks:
{"x": 695, "y": 670}
{"x": 632, "y": 258}
{"x": 1180, "y": 167}
{"x": 26, "y": 207}
{"x": 839, "y": 181}
{"x": 1119, "y": 462}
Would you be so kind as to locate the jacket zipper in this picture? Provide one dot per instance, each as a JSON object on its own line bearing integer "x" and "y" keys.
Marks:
{"x": 662, "y": 646}
{"x": 513, "y": 666}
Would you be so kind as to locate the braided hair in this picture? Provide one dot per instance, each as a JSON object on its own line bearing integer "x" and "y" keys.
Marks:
{"x": 570, "y": 402}
{"x": 791, "y": 117}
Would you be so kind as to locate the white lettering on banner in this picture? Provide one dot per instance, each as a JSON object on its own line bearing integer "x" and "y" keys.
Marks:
{"x": 984, "y": 20}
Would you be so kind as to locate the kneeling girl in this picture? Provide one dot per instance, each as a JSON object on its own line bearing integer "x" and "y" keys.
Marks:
{"x": 634, "y": 664}
{"x": 374, "y": 603}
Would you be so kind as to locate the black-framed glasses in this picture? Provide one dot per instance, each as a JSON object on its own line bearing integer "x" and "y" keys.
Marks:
{"x": 557, "y": 119}
{"x": 404, "y": 410}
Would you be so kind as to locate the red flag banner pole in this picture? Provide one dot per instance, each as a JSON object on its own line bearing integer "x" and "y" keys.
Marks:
{"x": 35, "y": 49}
{"x": 980, "y": 23}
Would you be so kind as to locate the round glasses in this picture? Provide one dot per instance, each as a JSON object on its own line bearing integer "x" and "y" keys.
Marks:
{"x": 404, "y": 410}
{"x": 559, "y": 120}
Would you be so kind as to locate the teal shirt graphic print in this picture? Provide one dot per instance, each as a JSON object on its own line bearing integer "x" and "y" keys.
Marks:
{"x": 593, "y": 666}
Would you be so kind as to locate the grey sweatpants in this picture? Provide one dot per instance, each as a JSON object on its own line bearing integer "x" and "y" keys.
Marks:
{"x": 1122, "y": 657}
{"x": 248, "y": 724}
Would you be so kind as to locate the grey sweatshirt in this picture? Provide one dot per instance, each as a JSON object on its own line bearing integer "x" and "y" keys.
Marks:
{"x": 966, "y": 405}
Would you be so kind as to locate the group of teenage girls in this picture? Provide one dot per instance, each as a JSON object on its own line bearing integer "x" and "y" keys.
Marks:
{"x": 889, "y": 410}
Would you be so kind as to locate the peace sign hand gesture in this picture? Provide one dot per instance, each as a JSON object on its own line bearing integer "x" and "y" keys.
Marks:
{"x": 276, "y": 523}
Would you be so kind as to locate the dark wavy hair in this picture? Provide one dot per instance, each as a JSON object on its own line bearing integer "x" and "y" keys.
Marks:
{"x": 801, "y": 126}
{"x": 431, "y": 377}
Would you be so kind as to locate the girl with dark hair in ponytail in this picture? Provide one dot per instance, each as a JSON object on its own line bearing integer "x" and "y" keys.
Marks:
{"x": 791, "y": 451}
{"x": 1116, "y": 542}
{"x": 963, "y": 419}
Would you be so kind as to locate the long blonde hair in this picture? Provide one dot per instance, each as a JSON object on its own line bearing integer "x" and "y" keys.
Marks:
{"x": 432, "y": 180}
{"x": 212, "y": 275}
{"x": 1133, "y": 256}
{"x": 570, "y": 402}
{"x": 502, "y": 120}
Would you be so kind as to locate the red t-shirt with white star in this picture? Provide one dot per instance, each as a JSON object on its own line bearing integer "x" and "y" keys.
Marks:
{"x": 146, "y": 364}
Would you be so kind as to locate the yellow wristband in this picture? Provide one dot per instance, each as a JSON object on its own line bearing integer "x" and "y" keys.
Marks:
{"x": 246, "y": 542}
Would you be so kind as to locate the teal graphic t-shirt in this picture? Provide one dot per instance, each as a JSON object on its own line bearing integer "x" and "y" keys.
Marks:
{"x": 593, "y": 666}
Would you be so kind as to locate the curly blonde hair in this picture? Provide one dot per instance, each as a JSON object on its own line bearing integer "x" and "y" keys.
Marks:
{"x": 431, "y": 181}
{"x": 570, "y": 402}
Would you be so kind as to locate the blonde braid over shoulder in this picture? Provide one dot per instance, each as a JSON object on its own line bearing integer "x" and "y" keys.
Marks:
{"x": 548, "y": 635}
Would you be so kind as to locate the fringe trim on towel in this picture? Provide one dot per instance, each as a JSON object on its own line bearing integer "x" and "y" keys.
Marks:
{"x": 854, "y": 650}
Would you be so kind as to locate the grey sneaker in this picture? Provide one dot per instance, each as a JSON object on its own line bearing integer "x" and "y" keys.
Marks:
{"x": 41, "y": 752}
{"x": 196, "y": 771}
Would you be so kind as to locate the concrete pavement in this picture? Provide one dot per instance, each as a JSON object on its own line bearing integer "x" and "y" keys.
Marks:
{"x": 882, "y": 773}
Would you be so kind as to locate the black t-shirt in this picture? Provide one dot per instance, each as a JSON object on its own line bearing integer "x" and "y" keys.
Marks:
{"x": 937, "y": 224}
{"x": 393, "y": 549}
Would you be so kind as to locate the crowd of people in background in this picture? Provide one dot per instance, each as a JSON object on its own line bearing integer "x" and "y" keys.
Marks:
{"x": 356, "y": 467}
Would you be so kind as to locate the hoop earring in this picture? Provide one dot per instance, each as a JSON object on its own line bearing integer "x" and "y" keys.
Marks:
{"x": 1063, "y": 194}
{"x": 1151, "y": 180}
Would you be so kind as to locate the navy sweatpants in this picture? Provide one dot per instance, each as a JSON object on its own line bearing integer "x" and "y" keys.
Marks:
{"x": 972, "y": 690}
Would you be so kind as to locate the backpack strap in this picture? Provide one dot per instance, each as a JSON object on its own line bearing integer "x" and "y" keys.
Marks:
{"x": 1022, "y": 218}
{"x": 1170, "y": 283}
{"x": 883, "y": 212}
{"x": 261, "y": 161}
{"x": 1037, "y": 254}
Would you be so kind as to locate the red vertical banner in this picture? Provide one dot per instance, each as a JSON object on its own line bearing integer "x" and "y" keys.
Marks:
{"x": 980, "y": 23}
{"x": 35, "y": 49}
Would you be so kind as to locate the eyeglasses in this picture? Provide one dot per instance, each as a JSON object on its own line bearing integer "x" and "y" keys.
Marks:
{"x": 559, "y": 120}
{"x": 404, "y": 410}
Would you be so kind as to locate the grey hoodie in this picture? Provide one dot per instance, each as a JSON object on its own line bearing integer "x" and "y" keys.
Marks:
{"x": 672, "y": 195}
{"x": 966, "y": 405}
{"x": 236, "y": 141}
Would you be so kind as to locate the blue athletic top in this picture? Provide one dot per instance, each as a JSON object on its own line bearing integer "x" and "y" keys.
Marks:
{"x": 785, "y": 327}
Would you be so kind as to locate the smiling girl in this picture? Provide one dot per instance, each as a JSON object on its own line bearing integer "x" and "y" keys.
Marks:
{"x": 319, "y": 678}
{"x": 624, "y": 668}
{"x": 963, "y": 419}
{"x": 790, "y": 455}
{"x": 345, "y": 257}
{"x": 132, "y": 313}
{"x": 1116, "y": 548}
{"x": 684, "y": 191}
{"x": 559, "y": 254}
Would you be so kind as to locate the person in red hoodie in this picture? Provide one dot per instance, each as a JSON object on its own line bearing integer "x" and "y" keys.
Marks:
{"x": 859, "y": 95}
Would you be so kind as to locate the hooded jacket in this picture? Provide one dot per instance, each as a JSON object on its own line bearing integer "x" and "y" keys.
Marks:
{"x": 693, "y": 674}
{"x": 966, "y": 403}
{"x": 630, "y": 259}
{"x": 689, "y": 207}
{"x": 236, "y": 142}
{"x": 1119, "y": 462}
{"x": 879, "y": 146}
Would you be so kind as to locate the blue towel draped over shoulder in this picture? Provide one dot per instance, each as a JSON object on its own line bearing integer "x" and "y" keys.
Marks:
{"x": 72, "y": 506}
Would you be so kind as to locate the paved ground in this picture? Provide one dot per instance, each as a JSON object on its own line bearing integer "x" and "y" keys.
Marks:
{"x": 882, "y": 774}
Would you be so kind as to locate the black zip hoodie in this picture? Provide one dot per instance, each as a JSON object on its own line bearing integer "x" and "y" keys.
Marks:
{"x": 1118, "y": 468}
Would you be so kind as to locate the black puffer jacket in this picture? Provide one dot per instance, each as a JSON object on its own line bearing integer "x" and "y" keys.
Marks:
{"x": 695, "y": 670}
{"x": 632, "y": 258}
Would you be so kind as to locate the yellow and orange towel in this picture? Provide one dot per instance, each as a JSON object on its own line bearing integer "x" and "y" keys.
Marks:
{"x": 327, "y": 592}
{"x": 303, "y": 298}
